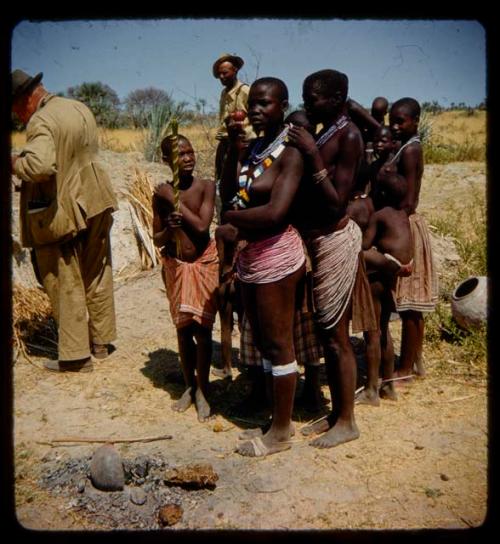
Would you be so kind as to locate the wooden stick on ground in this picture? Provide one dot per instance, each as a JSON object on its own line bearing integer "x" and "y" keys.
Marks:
{"x": 55, "y": 441}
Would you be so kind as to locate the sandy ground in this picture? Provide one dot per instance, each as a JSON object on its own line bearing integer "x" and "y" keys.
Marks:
{"x": 420, "y": 462}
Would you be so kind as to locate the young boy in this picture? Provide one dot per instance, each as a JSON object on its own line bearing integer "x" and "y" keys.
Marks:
{"x": 417, "y": 293}
{"x": 190, "y": 270}
{"x": 388, "y": 253}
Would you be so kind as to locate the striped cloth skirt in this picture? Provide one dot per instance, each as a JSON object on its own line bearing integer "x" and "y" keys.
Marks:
{"x": 419, "y": 291}
{"x": 191, "y": 288}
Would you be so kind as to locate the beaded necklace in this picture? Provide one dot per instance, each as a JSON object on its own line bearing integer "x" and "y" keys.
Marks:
{"x": 410, "y": 141}
{"x": 341, "y": 122}
{"x": 262, "y": 162}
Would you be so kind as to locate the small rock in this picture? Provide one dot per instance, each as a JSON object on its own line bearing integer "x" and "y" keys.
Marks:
{"x": 444, "y": 477}
{"x": 170, "y": 514}
{"x": 138, "y": 496}
{"x": 418, "y": 447}
{"x": 106, "y": 469}
{"x": 80, "y": 486}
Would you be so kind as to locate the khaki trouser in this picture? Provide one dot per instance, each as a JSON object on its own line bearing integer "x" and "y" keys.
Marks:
{"x": 77, "y": 276}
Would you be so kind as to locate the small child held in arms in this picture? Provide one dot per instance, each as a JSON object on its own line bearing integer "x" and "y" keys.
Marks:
{"x": 388, "y": 251}
{"x": 190, "y": 270}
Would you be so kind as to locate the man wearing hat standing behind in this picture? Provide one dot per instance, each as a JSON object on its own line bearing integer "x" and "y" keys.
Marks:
{"x": 233, "y": 98}
{"x": 65, "y": 215}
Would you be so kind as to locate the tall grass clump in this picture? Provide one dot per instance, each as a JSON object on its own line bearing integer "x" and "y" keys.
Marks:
{"x": 157, "y": 121}
{"x": 438, "y": 152}
{"x": 464, "y": 353}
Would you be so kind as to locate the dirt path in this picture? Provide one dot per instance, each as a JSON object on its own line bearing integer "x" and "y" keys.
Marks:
{"x": 420, "y": 462}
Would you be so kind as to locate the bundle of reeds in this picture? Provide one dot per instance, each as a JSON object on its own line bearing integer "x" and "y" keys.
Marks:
{"x": 34, "y": 328}
{"x": 140, "y": 197}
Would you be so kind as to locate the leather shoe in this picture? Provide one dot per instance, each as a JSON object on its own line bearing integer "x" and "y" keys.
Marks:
{"x": 100, "y": 351}
{"x": 79, "y": 365}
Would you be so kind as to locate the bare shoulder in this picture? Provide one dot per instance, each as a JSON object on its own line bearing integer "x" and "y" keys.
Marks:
{"x": 413, "y": 150}
{"x": 163, "y": 190}
{"x": 207, "y": 186}
{"x": 352, "y": 135}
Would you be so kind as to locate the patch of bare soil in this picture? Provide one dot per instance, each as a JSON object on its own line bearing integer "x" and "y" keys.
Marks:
{"x": 420, "y": 462}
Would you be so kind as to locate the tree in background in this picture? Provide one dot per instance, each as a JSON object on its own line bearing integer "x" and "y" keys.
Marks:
{"x": 101, "y": 99}
{"x": 140, "y": 104}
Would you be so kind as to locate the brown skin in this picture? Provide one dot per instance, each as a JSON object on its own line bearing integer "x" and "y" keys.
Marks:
{"x": 360, "y": 210}
{"x": 270, "y": 307}
{"x": 191, "y": 226}
{"x": 410, "y": 167}
{"x": 323, "y": 205}
{"x": 228, "y": 75}
{"x": 389, "y": 230}
{"x": 379, "y": 109}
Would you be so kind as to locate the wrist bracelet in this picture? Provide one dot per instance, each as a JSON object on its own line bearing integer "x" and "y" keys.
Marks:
{"x": 320, "y": 176}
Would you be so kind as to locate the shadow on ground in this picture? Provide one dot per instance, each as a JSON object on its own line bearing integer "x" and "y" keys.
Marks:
{"x": 232, "y": 398}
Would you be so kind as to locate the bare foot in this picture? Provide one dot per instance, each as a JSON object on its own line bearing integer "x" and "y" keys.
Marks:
{"x": 419, "y": 367}
{"x": 367, "y": 396}
{"x": 222, "y": 373}
{"x": 317, "y": 427}
{"x": 184, "y": 402}
{"x": 402, "y": 380}
{"x": 202, "y": 406}
{"x": 388, "y": 391}
{"x": 260, "y": 431}
{"x": 338, "y": 434}
{"x": 262, "y": 446}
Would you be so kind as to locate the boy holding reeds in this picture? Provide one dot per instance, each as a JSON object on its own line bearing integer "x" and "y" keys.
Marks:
{"x": 190, "y": 269}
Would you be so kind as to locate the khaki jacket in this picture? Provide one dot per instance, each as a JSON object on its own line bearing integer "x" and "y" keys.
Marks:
{"x": 61, "y": 176}
{"x": 230, "y": 101}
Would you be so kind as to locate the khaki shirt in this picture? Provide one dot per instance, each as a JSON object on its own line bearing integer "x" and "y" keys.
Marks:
{"x": 59, "y": 165}
{"x": 230, "y": 101}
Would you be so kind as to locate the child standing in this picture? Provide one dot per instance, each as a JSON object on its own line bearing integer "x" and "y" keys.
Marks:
{"x": 417, "y": 293}
{"x": 387, "y": 242}
{"x": 190, "y": 270}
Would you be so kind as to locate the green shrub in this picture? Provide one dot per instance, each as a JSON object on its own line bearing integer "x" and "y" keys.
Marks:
{"x": 466, "y": 224}
{"x": 436, "y": 152}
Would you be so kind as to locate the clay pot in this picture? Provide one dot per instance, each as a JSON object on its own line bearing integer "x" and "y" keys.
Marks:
{"x": 469, "y": 302}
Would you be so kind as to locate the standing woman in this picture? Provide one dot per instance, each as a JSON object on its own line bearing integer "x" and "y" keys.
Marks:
{"x": 264, "y": 178}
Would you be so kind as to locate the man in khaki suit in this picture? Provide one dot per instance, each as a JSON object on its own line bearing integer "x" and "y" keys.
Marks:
{"x": 234, "y": 97}
{"x": 65, "y": 215}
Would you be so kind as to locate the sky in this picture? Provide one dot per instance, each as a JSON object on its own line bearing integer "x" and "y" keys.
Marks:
{"x": 442, "y": 60}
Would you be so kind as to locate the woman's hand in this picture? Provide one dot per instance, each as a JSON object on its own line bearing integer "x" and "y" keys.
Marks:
{"x": 302, "y": 140}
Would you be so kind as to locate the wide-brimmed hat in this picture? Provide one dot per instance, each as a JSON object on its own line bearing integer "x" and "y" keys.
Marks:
{"x": 22, "y": 82}
{"x": 236, "y": 61}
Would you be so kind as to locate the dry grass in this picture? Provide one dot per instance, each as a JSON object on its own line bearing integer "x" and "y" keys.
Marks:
{"x": 457, "y": 126}
{"x": 449, "y": 126}
{"x": 140, "y": 197}
{"x": 34, "y": 327}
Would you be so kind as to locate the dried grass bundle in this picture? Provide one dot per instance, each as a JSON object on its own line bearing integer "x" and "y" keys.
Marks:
{"x": 33, "y": 322}
{"x": 140, "y": 197}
